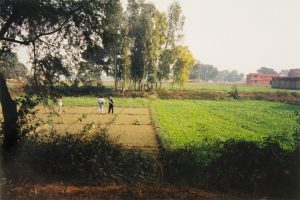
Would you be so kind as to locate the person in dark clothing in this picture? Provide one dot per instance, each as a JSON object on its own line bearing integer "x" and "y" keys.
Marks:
{"x": 110, "y": 105}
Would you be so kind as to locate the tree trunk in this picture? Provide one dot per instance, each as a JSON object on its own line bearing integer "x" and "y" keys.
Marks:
{"x": 10, "y": 116}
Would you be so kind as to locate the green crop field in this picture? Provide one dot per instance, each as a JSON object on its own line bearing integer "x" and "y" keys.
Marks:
{"x": 189, "y": 122}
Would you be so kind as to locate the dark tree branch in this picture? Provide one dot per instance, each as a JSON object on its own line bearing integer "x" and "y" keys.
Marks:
{"x": 28, "y": 42}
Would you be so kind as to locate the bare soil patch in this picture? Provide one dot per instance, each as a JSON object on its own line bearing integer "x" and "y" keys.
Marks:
{"x": 132, "y": 127}
{"x": 134, "y": 136}
{"x": 117, "y": 191}
{"x": 133, "y": 119}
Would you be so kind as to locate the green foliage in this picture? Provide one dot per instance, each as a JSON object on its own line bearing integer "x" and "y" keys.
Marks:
{"x": 248, "y": 166}
{"x": 207, "y": 72}
{"x": 95, "y": 89}
{"x": 76, "y": 159}
{"x": 265, "y": 160}
{"x": 175, "y": 20}
{"x": 234, "y": 93}
{"x": 235, "y": 164}
{"x": 27, "y": 120}
{"x": 125, "y": 57}
{"x": 266, "y": 70}
{"x": 196, "y": 86}
{"x": 234, "y": 76}
{"x": 183, "y": 62}
{"x": 57, "y": 32}
{"x": 204, "y": 72}
{"x": 190, "y": 122}
{"x": 89, "y": 73}
{"x": 166, "y": 60}
{"x": 147, "y": 29}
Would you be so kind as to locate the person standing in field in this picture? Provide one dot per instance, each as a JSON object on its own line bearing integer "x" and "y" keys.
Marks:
{"x": 110, "y": 105}
{"x": 60, "y": 103}
{"x": 101, "y": 102}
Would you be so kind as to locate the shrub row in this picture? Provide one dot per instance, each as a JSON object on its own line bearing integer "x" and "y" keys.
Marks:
{"x": 284, "y": 97}
{"x": 249, "y": 166}
{"x": 76, "y": 159}
{"x": 239, "y": 165}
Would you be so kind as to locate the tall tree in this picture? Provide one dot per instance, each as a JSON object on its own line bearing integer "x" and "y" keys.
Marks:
{"x": 195, "y": 71}
{"x": 154, "y": 41}
{"x": 56, "y": 32}
{"x": 207, "y": 72}
{"x": 166, "y": 61}
{"x": 136, "y": 32}
{"x": 176, "y": 22}
{"x": 147, "y": 26}
{"x": 184, "y": 61}
{"x": 125, "y": 54}
{"x": 174, "y": 36}
{"x": 235, "y": 76}
{"x": 222, "y": 76}
{"x": 89, "y": 73}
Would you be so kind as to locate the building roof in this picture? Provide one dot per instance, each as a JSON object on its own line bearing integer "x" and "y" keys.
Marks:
{"x": 261, "y": 74}
{"x": 294, "y": 73}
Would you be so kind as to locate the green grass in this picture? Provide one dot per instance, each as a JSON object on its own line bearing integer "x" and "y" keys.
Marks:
{"x": 190, "y": 122}
{"x": 118, "y": 102}
{"x": 226, "y": 87}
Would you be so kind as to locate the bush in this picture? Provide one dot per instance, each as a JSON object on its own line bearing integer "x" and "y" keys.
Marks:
{"x": 234, "y": 93}
{"x": 248, "y": 166}
{"x": 244, "y": 165}
{"x": 181, "y": 166}
{"x": 77, "y": 159}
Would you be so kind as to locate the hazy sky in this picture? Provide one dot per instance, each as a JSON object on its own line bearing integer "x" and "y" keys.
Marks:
{"x": 242, "y": 34}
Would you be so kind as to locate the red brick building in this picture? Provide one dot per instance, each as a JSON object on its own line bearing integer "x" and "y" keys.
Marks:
{"x": 260, "y": 79}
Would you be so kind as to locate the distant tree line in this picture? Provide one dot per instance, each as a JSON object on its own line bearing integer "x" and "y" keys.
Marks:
{"x": 267, "y": 70}
{"x": 11, "y": 68}
{"x": 205, "y": 72}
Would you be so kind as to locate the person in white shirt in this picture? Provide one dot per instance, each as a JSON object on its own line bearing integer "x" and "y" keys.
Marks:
{"x": 60, "y": 103}
{"x": 101, "y": 102}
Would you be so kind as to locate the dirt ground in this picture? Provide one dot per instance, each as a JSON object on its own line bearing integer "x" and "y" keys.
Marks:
{"x": 132, "y": 127}
{"x": 115, "y": 191}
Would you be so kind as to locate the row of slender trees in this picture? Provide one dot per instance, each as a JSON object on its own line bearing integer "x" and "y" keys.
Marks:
{"x": 145, "y": 48}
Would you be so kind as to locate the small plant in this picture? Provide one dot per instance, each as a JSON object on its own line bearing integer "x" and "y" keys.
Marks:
{"x": 234, "y": 93}
{"x": 88, "y": 128}
{"x": 136, "y": 122}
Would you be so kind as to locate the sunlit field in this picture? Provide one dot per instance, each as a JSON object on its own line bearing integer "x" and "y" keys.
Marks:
{"x": 190, "y": 122}
{"x": 118, "y": 102}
